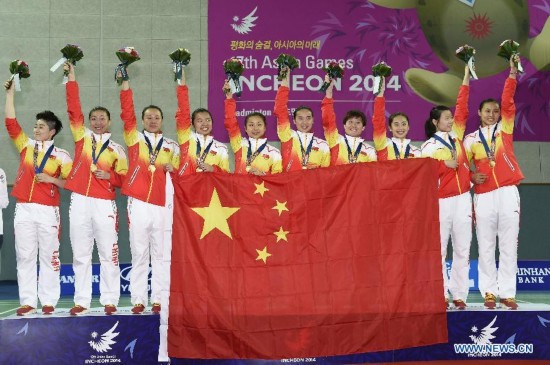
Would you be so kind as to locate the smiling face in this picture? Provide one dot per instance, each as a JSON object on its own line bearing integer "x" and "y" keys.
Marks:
{"x": 354, "y": 127}
{"x": 255, "y": 126}
{"x": 303, "y": 119}
{"x": 42, "y": 131}
{"x": 99, "y": 121}
{"x": 399, "y": 126}
{"x": 152, "y": 120}
{"x": 445, "y": 121}
{"x": 203, "y": 123}
{"x": 489, "y": 113}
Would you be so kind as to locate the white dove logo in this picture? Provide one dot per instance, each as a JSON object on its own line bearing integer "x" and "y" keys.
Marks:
{"x": 104, "y": 343}
{"x": 242, "y": 26}
{"x": 486, "y": 335}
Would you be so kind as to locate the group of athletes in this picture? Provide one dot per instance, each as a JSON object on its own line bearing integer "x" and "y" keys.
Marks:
{"x": 484, "y": 159}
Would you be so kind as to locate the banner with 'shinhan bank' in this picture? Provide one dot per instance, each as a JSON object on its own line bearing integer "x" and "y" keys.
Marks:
{"x": 417, "y": 39}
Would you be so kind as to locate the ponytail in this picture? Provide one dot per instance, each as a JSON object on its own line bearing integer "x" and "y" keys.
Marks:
{"x": 435, "y": 114}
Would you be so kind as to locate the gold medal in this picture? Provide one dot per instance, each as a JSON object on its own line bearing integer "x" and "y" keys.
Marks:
{"x": 492, "y": 163}
{"x": 152, "y": 168}
{"x": 304, "y": 167}
{"x": 248, "y": 168}
{"x": 198, "y": 169}
{"x": 93, "y": 167}
{"x": 36, "y": 178}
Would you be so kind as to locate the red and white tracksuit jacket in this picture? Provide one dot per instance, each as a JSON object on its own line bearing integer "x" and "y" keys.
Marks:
{"x": 496, "y": 201}
{"x": 455, "y": 202}
{"x": 385, "y": 147}
{"x": 268, "y": 160}
{"x": 93, "y": 211}
{"x": 189, "y": 140}
{"x": 37, "y": 221}
{"x": 291, "y": 152}
{"x": 338, "y": 144}
{"x": 145, "y": 187}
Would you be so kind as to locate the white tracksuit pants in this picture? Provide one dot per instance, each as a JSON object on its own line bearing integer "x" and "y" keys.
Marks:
{"x": 497, "y": 214}
{"x": 455, "y": 220}
{"x": 90, "y": 219}
{"x": 146, "y": 243}
{"x": 166, "y": 262}
{"x": 36, "y": 229}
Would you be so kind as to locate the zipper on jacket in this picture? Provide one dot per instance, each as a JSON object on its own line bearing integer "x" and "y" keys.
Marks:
{"x": 150, "y": 186}
{"x": 89, "y": 183}
{"x": 32, "y": 188}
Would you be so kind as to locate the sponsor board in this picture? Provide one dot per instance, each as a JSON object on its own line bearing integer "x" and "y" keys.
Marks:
{"x": 531, "y": 276}
{"x": 66, "y": 279}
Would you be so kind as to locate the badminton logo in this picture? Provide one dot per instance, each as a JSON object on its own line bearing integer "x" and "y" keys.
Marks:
{"x": 485, "y": 335}
{"x": 244, "y": 25}
{"x": 103, "y": 343}
{"x": 482, "y": 343}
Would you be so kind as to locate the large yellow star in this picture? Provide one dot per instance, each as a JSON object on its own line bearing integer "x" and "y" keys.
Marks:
{"x": 280, "y": 207}
{"x": 263, "y": 255}
{"x": 281, "y": 234}
{"x": 260, "y": 189}
{"x": 215, "y": 216}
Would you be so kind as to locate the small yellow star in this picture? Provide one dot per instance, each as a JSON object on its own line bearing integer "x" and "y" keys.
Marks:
{"x": 263, "y": 255}
{"x": 260, "y": 189}
{"x": 281, "y": 235}
{"x": 215, "y": 216}
{"x": 280, "y": 207}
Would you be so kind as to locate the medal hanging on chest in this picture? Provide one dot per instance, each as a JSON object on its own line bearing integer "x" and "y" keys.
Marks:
{"x": 353, "y": 155}
{"x": 451, "y": 145}
{"x": 39, "y": 169}
{"x": 489, "y": 150}
{"x": 95, "y": 157}
{"x": 250, "y": 157}
{"x": 153, "y": 154}
{"x": 398, "y": 154}
{"x": 305, "y": 152}
{"x": 201, "y": 157}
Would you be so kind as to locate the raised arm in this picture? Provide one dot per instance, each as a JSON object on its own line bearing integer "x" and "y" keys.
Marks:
{"x": 328, "y": 116}
{"x": 183, "y": 114}
{"x": 74, "y": 109}
{"x": 281, "y": 110}
{"x": 508, "y": 105}
{"x": 230, "y": 119}
{"x": 461, "y": 111}
{"x": 379, "y": 119}
{"x": 128, "y": 114}
{"x": 15, "y": 131}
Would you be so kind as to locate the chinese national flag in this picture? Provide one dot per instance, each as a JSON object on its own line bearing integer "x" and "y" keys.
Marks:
{"x": 332, "y": 261}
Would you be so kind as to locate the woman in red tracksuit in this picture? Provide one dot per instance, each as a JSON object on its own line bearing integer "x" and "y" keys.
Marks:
{"x": 398, "y": 147}
{"x": 496, "y": 198}
{"x": 445, "y": 135}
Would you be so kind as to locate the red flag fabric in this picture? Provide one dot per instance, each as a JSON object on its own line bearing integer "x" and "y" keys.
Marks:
{"x": 310, "y": 263}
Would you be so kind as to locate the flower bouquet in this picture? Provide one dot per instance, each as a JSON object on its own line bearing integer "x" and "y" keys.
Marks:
{"x": 234, "y": 68}
{"x": 466, "y": 54}
{"x": 180, "y": 58}
{"x": 19, "y": 70}
{"x": 509, "y": 49}
{"x": 381, "y": 69}
{"x": 285, "y": 60}
{"x": 71, "y": 53}
{"x": 127, "y": 56}
{"x": 334, "y": 71}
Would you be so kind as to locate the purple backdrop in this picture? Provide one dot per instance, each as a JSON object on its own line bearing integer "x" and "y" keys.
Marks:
{"x": 359, "y": 34}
